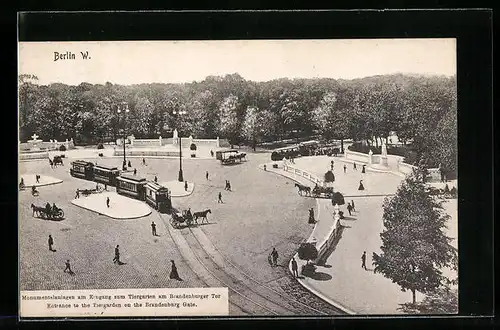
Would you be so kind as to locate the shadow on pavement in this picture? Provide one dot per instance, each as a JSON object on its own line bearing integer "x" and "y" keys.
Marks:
{"x": 349, "y": 218}
{"x": 319, "y": 276}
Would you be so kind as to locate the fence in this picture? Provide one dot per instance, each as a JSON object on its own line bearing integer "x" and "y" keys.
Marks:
{"x": 304, "y": 174}
{"x": 149, "y": 153}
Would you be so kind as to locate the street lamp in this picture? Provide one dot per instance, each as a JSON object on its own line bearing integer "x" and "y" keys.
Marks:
{"x": 124, "y": 137}
{"x": 181, "y": 177}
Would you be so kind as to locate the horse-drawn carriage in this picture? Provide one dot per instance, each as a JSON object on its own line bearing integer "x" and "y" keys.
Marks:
{"x": 178, "y": 219}
{"x": 230, "y": 156}
{"x": 49, "y": 213}
{"x": 57, "y": 160}
{"x": 319, "y": 191}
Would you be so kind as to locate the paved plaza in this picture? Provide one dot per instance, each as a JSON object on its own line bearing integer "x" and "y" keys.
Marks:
{"x": 120, "y": 207}
{"x": 263, "y": 210}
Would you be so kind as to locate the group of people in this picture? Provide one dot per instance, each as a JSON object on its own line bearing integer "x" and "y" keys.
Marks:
{"x": 51, "y": 209}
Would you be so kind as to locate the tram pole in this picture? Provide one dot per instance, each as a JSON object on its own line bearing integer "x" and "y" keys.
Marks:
{"x": 124, "y": 167}
{"x": 181, "y": 176}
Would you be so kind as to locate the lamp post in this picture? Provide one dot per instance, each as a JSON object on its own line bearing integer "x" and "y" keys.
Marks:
{"x": 125, "y": 105}
{"x": 181, "y": 177}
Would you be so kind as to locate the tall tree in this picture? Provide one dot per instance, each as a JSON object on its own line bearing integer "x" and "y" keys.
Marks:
{"x": 414, "y": 247}
{"x": 230, "y": 127}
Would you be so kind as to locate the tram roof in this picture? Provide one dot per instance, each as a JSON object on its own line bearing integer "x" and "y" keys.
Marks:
{"x": 131, "y": 177}
{"x": 155, "y": 186}
{"x": 105, "y": 167}
{"x": 82, "y": 162}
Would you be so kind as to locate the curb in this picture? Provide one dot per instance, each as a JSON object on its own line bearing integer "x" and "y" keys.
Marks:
{"x": 116, "y": 218}
{"x": 307, "y": 287}
{"x": 317, "y": 293}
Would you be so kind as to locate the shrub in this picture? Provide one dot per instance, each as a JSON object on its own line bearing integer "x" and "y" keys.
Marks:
{"x": 338, "y": 198}
{"x": 329, "y": 177}
{"x": 446, "y": 189}
{"x": 62, "y": 147}
{"x": 100, "y": 146}
{"x": 308, "y": 269}
{"x": 192, "y": 147}
{"x": 307, "y": 251}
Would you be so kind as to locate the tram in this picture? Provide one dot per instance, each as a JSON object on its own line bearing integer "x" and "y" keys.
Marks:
{"x": 106, "y": 174}
{"x": 131, "y": 185}
{"x": 158, "y": 197}
{"x": 82, "y": 169}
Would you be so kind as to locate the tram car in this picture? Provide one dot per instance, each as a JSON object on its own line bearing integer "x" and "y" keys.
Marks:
{"x": 106, "y": 174}
{"x": 158, "y": 197}
{"x": 82, "y": 169}
{"x": 131, "y": 185}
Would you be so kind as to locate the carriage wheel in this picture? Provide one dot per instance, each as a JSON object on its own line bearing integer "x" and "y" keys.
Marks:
{"x": 300, "y": 192}
{"x": 60, "y": 214}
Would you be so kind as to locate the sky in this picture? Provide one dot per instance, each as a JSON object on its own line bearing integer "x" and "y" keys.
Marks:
{"x": 135, "y": 62}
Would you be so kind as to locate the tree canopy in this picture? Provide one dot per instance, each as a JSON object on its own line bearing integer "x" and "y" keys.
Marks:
{"x": 421, "y": 109}
{"x": 414, "y": 247}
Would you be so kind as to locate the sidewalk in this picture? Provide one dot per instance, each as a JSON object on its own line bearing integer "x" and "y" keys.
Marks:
{"x": 342, "y": 279}
{"x": 45, "y": 180}
{"x": 120, "y": 207}
{"x": 177, "y": 188}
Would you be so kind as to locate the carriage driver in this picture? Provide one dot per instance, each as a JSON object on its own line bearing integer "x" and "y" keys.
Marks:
{"x": 48, "y": 208}
{"x": 54, "y": 207}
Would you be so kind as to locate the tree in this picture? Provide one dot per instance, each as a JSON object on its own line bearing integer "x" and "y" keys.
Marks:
{"x": 307, "y": 251}
{"x": 229, "y": 125}
{"x": 414, "y": 247}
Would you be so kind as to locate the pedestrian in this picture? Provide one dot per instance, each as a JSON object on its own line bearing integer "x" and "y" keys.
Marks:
{"x": 51, "y": 242}
{"x": 153, "y": 228}
{"x": 143, "y": 162}
{"x": 77, "y": 193}
{"x": 116, "y": 259}
{"x": 361, "y": 187}
{"x": 68, "y": 267}
{"x": 135, "y": 171}
{"x": 211, "y": 153}
{"x": 274, "y": 256}
{"x": 156, "y": 179}
{"x": 173, "y": 272}
{"x": 97, "y": 187}
{"x": 124, "y": 165}
{"x": 106, "y": 186}
{"x": 363, "y": 170}
{"x": 352, "y": 205}
{"x": 345, "y": 168}
{"x": 349, "y": 208}
{"x": 220, "y": 198}
{"x": 206, "y": 175}
{"x": 355, "y": 166}
{"x": 295, "y": 268}
{"x": 228, "y": 185}
{"x": 311, "y": 215}
{"x": 107, "y": 202}
{"x": 129, "y": 164}
{"x": 37, "y": 177}
{"x": 265, "y": 167}
{"x": 331, "y": 167}
{"x": 363, "y": 261}
{"x": 185, "y": 185}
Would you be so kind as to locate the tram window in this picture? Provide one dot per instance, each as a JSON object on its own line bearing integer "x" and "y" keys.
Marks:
{"x": 128, "y": 186}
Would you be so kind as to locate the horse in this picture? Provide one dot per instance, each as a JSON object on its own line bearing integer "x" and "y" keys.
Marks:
{"x": 51, "y": 163}
{"x": 202, "y": 215}
{"x": 37, "y": 210}
{"x": 57, "y": 160}
{"x": 303, "y": 188}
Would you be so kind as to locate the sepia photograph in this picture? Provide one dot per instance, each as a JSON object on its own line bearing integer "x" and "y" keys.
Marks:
{"x": 238, "y": 178}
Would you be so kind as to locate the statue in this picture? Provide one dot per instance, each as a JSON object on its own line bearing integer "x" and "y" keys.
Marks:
{"x": 384, "y": 149}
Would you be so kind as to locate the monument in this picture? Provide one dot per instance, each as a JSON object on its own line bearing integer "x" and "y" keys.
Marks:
{"x": 175, "y": 137}
{"x": 34, "y": 143}
{"x": 383, "y": 156}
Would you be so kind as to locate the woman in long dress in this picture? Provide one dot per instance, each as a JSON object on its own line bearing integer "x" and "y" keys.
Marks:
{"x": 173, "y": 273}
{"x": 361, "y": 187}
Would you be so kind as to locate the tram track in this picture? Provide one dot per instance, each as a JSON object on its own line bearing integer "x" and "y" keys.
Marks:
{"x": 247, "y": 293}
{"x": 206, "y": 275}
